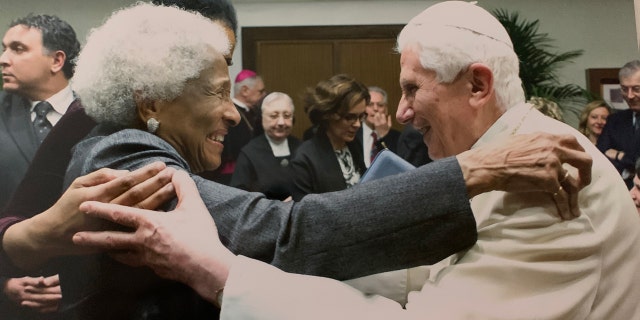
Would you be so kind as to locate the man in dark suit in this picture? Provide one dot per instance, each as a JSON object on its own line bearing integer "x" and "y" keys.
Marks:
{"x": 36, "y": 66}
{"x": 37, "y": 63}
{"x": 376, "y": 132}
{"x": 620, "y": 138}
{"x": 248, "y": 93}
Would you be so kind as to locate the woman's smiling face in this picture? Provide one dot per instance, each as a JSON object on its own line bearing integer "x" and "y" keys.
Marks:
{"x": 196, "y": 122}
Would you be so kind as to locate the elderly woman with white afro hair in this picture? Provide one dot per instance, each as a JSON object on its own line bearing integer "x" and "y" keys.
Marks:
{"x": 160, "y": 69}
{"x": 150, "y": 76}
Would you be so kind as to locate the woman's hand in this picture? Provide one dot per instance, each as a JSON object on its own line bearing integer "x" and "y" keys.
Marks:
{"x": 33, "y": 241}
{"x": 181, "y": 245}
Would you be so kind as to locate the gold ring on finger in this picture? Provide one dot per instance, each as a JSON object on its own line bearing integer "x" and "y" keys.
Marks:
{"x": 566, "y": 175}
{"x": 557, "y": 192}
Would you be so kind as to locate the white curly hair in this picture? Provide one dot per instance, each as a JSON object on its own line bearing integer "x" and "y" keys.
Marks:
{"x": 144, "y": 49}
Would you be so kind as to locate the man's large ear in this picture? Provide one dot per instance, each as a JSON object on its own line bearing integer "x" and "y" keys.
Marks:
{"x": 244, "y": 90}
{"x": 59, "y": 59}
{"x": 481, "y": 84}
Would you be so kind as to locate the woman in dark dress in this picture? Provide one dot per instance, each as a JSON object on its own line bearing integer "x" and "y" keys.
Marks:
{"x": 262, "y": 165}
{"x": 332, "y": 159}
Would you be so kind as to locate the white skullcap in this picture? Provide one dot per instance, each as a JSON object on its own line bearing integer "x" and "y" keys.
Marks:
{"x": 462, "y": 15}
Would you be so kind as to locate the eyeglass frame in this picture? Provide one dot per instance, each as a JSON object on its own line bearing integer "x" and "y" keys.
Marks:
{"x": 352, "y": 117}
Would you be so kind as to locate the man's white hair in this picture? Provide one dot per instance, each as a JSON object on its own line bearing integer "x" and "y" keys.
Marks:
{"x": 452, "y": 35}
{"x": 144, "y": 49}
{"x": 249, "y": 82}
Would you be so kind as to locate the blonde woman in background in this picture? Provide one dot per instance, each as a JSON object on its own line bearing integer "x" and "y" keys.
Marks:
{"x": 593, "y": 118}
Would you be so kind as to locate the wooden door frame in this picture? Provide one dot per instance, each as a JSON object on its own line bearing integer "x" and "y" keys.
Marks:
{"x": 252, "y": 35}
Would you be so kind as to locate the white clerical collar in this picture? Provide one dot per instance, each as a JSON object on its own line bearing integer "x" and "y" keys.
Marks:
{"x": 240, "y": 104}
{"x": 279, "y": 148}
{"x": 508, "y": 124}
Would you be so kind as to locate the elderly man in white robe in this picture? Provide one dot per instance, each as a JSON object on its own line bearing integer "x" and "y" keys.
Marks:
{"x": 460, "y": 84}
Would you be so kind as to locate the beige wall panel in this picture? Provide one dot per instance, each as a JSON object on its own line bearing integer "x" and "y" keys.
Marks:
{"x": 291, "y": 67}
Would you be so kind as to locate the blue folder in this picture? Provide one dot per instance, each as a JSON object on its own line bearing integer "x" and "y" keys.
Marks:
{"x": 386, "y": 163}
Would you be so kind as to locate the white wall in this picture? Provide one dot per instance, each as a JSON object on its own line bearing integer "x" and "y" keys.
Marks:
{"x": 604, "y": 29}
{"x": 82, "y": 15}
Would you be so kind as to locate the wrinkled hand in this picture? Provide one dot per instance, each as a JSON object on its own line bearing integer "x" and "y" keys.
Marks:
{"x": 34, "y": 241}
{"x": 40, "y": 294}
{"x": 530, "y": 162}
{"x": 181, "y": 245}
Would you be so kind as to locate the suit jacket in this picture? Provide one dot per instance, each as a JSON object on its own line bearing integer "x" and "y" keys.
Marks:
{"x": 257, "y": 169}
{"x": 316, "y": 169}
{"x": 526, "y": 263}
{"x": 31, "y": 176}
{"x": 296, "y": 237}
{"x": 17, "y": 140}
{"x": 237, "y": 137}
{"x": 42, "y": 184}
{"x": 619, "y": 134}
{"x": 411, "y": 147}
{"x": 390, "y": 140}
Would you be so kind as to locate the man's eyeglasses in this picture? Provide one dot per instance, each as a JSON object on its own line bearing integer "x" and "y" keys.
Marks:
{"x": 634, "y": 89}
{"x": 352, "y": 117}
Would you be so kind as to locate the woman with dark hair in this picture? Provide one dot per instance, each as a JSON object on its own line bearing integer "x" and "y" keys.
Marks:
{"x": 332, "y": 159}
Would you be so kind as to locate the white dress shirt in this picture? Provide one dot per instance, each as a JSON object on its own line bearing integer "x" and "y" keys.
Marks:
{"x": 60, "y": 103}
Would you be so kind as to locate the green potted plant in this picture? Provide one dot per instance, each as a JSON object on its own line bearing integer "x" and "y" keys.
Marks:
{"x": 539, "y": 64}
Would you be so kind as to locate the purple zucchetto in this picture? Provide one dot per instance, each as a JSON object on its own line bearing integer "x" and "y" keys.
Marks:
{"x": 244, "y": 74}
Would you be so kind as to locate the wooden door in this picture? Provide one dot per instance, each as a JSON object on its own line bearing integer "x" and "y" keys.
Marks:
{"x": 292, "y": 59}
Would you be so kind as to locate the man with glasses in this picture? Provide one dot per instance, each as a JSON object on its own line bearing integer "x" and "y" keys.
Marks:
{"x": 620, "y": 138}
{"x": 376, "y": 132}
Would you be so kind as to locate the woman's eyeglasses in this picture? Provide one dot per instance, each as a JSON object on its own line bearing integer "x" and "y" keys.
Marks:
{"x": 352, "y": 117}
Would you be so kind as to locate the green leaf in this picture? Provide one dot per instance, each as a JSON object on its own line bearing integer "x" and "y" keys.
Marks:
{"x": 540, "y": 62}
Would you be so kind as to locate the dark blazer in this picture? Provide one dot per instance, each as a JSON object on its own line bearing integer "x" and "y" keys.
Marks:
{"x": 316, "y": 169}
{"x": 18, "y": 142}
{"x": 390, "y": 140}
{"x": 237, "y": 137}
{"x": 257, "y": 169}
{"x": 619, "y": 134}
{"x": 411, "y": 147}
{"x": 33, "y": 177}
{"x": 42, "y": 184}
{"x": 415, "y": 224}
